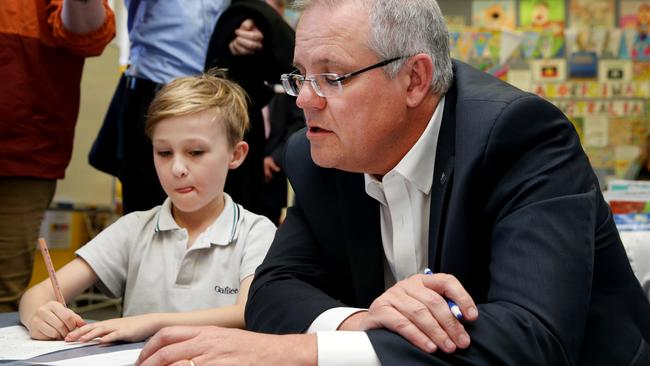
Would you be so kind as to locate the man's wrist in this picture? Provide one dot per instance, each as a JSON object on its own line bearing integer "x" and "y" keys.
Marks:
{"x": 303, "y": 347}
{"x": 353, "y": 322}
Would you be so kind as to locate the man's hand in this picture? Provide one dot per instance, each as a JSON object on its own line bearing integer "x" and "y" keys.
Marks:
{"x": 53, "y": 321}
{"x": 226, "y": 346}
{"x": 416, "y": 309}
{"x": 130, "y": 329}
{"x": 248, "y": 39}
{"x": 270, "y": 167}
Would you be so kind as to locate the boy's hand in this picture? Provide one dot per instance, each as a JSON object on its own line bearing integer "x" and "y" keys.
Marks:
{"x": 130, "y": 329}
{"x": 53, "y": 321}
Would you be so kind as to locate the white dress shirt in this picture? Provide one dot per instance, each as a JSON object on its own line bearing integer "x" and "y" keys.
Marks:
{"x": 405, "y": 197}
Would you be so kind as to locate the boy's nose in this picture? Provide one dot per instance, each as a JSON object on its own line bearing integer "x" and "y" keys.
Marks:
{"x": 179, "y": 169}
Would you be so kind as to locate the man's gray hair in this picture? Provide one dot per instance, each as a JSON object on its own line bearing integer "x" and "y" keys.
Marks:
{"x": 404, "y": 28}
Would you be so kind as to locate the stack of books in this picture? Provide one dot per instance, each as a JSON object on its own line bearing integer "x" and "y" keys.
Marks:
{"x": 630, "y": 203}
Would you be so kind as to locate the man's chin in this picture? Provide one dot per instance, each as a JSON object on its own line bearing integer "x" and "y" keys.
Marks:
{"x": 322, "y": 160}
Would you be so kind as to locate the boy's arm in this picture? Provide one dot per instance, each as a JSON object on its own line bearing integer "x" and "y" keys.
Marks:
{"x": 139, "y": 327}
{"x": 43, "y": 316}
{"x": 226, "y": 316}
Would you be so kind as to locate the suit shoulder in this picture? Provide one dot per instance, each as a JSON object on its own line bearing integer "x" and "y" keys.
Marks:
{"x": 472, "y": 85}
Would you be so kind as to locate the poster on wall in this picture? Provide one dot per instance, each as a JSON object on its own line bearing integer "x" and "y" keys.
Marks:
{"x": 548, "y": 70}
{"x": 592, "y": 13}
{"x": 635, "y": 20}
{"x": 583, "y": 65}
{"x": 596, "y": 131}
{"x": 635, "y": 15}
{"x": 542, "y": 15}
{"x": 494, "y": 14}
{"x": 614, "y": 70}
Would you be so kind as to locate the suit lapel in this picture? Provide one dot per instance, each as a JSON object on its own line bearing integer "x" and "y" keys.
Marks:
{"x": 362, "y": 232}
{"x": 442, "y": 178}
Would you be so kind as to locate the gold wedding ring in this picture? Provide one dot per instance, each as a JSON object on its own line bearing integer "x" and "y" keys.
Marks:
{"x": 191, "y": 362}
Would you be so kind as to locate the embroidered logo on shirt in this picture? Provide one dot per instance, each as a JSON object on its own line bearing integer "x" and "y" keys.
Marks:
{"x": 226, "y": 290}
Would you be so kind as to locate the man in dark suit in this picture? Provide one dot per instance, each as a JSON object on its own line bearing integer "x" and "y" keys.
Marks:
{"x": 428, "y": 164}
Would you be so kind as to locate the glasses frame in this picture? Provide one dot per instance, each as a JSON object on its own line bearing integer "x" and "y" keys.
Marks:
{"x": 337, "y": 78}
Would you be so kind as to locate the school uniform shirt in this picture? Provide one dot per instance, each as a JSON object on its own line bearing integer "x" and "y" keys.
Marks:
{"x": 144, "y": 257}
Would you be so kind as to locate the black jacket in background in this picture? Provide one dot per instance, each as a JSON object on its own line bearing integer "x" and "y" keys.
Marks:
{"x": 253, "y": 73}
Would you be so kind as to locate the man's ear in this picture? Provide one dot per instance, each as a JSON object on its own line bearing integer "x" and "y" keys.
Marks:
{"x": 419, "y": 69}
{"x": 239, "y": 153}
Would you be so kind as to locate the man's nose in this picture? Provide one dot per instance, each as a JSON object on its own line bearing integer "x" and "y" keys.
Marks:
{"x": 308, "y": 98}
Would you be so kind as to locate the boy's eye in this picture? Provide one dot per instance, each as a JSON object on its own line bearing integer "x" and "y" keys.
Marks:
{"x": 164, "y": 153}
{"x": 196, "y": 152}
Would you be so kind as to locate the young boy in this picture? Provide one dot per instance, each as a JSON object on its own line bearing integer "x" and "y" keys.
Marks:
{"x": 190, "y": 261}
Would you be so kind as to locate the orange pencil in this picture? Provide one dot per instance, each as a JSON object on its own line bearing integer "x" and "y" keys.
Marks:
{"x": 50, "y": 271}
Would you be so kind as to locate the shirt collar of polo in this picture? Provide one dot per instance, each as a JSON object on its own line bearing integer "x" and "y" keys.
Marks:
{"x": 417, "y": 165}
{"x": 223, "y": 231}
{"x": 165, "y": 221}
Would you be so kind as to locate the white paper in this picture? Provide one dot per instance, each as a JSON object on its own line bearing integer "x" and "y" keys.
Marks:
{"x": 15, "y": 344}
{"x": 119, "y": 358}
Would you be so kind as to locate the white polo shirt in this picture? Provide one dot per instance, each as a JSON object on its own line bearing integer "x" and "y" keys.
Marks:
{"x": 143, "y": 257}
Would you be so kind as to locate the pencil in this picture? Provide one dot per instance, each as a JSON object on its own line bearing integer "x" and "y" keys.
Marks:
{"x": 50, "y": 271}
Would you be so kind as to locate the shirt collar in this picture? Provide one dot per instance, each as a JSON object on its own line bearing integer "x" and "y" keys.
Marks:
{"x": 418, "y": 163}
{"x": 165, "y": 220}
{"x": 223, "y": 231}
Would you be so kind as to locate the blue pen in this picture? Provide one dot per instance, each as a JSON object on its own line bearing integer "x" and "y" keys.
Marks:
{"x": 452, "y": 305}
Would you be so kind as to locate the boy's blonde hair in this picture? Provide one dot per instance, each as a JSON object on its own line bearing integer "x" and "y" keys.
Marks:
{"x": 193, "y": 94}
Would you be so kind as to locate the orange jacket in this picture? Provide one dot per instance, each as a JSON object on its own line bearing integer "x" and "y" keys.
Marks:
{"x": 40, "y": 72}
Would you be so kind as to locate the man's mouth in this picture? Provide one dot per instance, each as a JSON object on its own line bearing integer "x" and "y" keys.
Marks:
{"x": 317, "y": 129}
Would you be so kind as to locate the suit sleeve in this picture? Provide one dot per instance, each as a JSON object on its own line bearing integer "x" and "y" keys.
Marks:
{"x": 290, "y": 287}
{"x": 542, "y": 205}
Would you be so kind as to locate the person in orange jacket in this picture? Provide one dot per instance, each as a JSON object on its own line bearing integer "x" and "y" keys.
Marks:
{"x": 43, "y": 45}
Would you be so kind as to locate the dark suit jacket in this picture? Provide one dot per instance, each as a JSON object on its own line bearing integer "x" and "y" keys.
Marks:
{"x": 516, "y": 216}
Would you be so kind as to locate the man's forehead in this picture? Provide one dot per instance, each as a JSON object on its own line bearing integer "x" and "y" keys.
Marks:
{"x": 334, "y": 42}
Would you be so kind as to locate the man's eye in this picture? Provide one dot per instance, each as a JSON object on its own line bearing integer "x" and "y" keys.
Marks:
{"x": 196, "y": 152}
{"x": 164, "y": 153}
{"x": 331, "y": 80}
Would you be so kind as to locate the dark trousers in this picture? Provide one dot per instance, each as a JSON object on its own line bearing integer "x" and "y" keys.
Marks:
{"x": 141, "y": 188}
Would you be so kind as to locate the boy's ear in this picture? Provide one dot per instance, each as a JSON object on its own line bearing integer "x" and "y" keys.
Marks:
{"x": 239, "y": 153}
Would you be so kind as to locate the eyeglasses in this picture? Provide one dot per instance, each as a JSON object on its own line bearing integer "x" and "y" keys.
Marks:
{"x": 325, "y": 85}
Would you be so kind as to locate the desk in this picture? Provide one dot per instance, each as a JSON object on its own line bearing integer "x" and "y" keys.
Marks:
{"x": 10, "y": 319}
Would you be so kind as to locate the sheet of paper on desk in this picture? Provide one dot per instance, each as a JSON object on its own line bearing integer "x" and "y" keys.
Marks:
{"x": 15, "y": 344}
{"x": 119, "y": 358}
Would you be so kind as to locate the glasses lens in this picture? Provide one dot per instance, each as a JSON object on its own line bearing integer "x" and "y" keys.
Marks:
{"x": 292, "y": 83}
{"x": 327, "y": 85}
